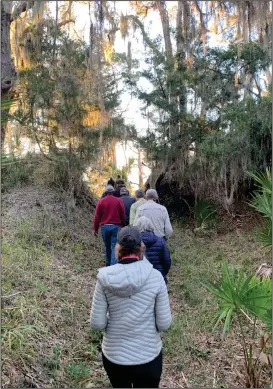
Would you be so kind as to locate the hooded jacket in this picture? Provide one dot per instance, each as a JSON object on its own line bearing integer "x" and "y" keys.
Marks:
{"x": 157, "y": 252}
{"x": 131, "y": 304}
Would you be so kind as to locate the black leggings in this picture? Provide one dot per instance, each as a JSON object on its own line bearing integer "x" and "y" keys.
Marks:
{"x": 136, "y": 376}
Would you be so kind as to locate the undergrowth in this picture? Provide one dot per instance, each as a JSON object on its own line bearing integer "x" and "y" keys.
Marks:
{"x": 46, "y": 294}
{"x": 49, "y": 264}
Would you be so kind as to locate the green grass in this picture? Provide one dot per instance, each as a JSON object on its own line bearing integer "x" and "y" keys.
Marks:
{"x": 191, "y": 341}
{"x": 47, "y": 272}
{"x": 53, "y": 263}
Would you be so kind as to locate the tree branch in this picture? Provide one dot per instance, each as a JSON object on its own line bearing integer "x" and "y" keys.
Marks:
{"x": 145, "y": 36}
{"x": 50, "y": 24}
{"x": 56, "y": 30}
{"x": 201, "y": 16}
{"x": 23, "y": 7}
{"x": 11, "y": 295}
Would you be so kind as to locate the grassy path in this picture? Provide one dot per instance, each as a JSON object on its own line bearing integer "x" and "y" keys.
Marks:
{"x": 49, "y": 264}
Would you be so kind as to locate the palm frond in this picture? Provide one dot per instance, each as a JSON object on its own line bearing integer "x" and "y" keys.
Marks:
{"x": 237, "y": 291}
{"x": 5, "y": 106}
{"x": 262, "y": 202}
{"x": 263, "y": 180}
{"x": 264, "y": 234}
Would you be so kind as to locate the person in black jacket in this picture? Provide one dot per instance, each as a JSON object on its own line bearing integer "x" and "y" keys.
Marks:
{"x": 128, "y": 201}
{"x": 157, "y": 251}
{"x": 119, "y": 184}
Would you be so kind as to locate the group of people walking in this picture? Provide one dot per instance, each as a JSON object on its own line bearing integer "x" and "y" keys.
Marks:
{"x": 130, "y": 301}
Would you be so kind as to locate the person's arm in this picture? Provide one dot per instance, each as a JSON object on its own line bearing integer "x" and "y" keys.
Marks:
{"x": 132, "y": 214}
{"x": 97, "y": 217}
{"x": 166, "y": 258}
{"x": 168, "y": 226}
{"x": 122, "y": 213}
{"x": 98, "y": 315}
{"x": 163, "y": 317}
{"x": 138, "y": 215}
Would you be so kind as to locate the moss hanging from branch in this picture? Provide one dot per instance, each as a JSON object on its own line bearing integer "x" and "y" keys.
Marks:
{"x": 123, "y": 26}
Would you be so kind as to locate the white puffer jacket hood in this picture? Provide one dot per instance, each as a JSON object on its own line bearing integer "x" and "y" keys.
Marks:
{"x": 125, "y": 280}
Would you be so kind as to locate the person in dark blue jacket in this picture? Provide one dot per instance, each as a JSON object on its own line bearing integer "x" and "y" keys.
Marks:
{"x": 157, "y": 251}
{"x": 128, "y": 201}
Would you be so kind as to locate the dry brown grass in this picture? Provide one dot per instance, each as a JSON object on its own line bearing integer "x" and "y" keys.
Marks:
{"x": 50, "y": 259}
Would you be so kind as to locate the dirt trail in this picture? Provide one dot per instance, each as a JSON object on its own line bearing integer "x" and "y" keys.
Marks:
{"x": 40, "y": 217}
{"x": 51, "y": 259}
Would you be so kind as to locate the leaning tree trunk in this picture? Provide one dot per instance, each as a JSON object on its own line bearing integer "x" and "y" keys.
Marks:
{"x": 140, "y": 169}
{"x": 8, "y": 72}
{"x": 170, "y": 62}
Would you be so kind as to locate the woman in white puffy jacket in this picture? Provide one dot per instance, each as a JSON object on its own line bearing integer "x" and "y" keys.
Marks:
{"x": 131, "y": 304}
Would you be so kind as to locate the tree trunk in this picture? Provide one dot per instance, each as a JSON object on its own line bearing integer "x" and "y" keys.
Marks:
{"x": 166, "y": 27}
{"x": 161, "y": 5}
{"x": 100, "y": 86}
{"x": 140, "y": 169}
{"x": 180, "y": 53}
{"x": 8, "y": 72}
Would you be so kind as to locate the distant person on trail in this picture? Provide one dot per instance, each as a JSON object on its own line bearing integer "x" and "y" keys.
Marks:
{"x": 156, "y": 251}
{"x": 110, "y": 216}
{"x": 119, "y": 184}
{"x": 140, "y": 200}
{"x": 157, "y": 214}
{"x": 127, "y": 201}
{"x": 131, "y": 304}
{"x": 119, "y": 181}
{"x": 109, "y": 182}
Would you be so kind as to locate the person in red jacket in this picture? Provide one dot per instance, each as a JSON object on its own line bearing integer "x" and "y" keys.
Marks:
{"x": 110, "y": 216}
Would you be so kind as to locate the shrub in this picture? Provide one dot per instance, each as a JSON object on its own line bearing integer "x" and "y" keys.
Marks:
{"x": 262, "y": 202}
{"x": 205, "y": 215}
{"x": 16, "y": 172}
{"x": 241, "y": 296}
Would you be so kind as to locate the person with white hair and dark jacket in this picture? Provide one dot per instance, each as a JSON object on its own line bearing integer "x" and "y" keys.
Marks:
{"x": 156, "y": 249}
{"x": 131, "y": 304}
{"x": 156, "y": 213}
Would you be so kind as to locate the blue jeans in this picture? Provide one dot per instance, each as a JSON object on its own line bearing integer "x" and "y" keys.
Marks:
{"x": 109, "y": 234}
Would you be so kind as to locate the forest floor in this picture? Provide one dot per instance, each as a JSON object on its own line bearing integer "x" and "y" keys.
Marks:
{"x": 50, "y": 260}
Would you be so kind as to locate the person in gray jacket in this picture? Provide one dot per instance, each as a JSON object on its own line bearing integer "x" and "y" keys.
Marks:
{"x": 131, "y": 304}
{"x": 157, "y": 214}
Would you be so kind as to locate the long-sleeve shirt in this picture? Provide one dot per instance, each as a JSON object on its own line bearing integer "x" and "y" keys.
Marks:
{"x": 134, "y": 208}
{"x": 158, "y": 216}
{"x": 109, "y": 210}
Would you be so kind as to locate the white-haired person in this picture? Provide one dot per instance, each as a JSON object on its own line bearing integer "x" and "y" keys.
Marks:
{"x": 157, "y": 214}
{"x": 156, "y": 249}
{"x": 131, "y": 305}
{"x": 140, "y": 200}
